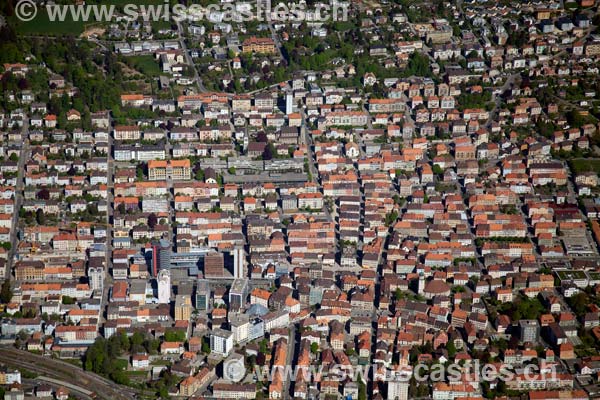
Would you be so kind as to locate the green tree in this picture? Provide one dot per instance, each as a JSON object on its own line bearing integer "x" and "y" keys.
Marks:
{"x": 314, "y": 348}
{"x": 40, "y": 217}
{"x": 451, "y": 348}
{"x": 362, "y": 390}
{"x": 6, "y": 292}
{"x": 205, "y": 346}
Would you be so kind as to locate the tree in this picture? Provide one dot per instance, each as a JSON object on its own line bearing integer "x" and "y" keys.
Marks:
{"x": 391, "y": 217}
{"x": 362, "y": 390}
{"x": 139, "y": 173}
{"x": 579, "y": 302}
{"x": 152, "y": 220}
{"x": 137, "y": 341}
{"x": 263, "y": 348}
{"x": 398, "y": 294}
{"x": 43, "y": 194}
{"x": 205, "y": 346}
{"x": 40, "y": 217}
{"x": 268, "y": 152}
{"x": 6, "y": 292}
{"x": 314, "y": 348}
{"x": 451, "y": 348}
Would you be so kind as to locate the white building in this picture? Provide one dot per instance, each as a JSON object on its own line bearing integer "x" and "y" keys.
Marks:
{"x": 240, "y": 327}
{"x": 221, "y": 342}
{"x": 238, "y": 262}
{"x": 164, "y": 286}
{"x": 397, "y": 390}
{"x": 96, "y": 278}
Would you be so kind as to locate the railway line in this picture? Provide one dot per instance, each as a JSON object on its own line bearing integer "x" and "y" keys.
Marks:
{"x": 63, "y": 371}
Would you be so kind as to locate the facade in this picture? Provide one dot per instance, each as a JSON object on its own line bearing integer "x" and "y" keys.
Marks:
{"x": 96, "y": 278}
{"x": 202, "y": 295}
{"x": 529, "y": 330}
{"x": 221, "y": 342}
{"x": 164, "y": 286}
{"x": 176, "y": 170}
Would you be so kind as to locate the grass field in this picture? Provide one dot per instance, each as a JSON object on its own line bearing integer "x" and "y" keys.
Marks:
{"x": 585, "y": 165}
{"x": 41, "y": 25}
{"x": 146, "y": 65}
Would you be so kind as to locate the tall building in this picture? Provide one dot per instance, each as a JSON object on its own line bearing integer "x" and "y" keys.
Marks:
{"x": 161, "y": 256}
{"x": 529, "y": 330}
{"x": 289, "y": 103}
{"x": 240, "y": 327}
{"x": 221, "y": 342}
{"x": 397, "y": 390}
{"x": 183, "y": 308}
{"x": 202, "y": 294}
{"x": 96, "y": 278}
{"x": 214, "y": 265}
{"x": 164, "y": 286}
{"x": 238, "y": 293}
{"x": 421, "y": 287}
{"x": 239, "y": 270}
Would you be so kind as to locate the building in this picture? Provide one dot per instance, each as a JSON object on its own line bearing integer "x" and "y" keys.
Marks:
{"x": 529, "y": 330}
{"x": 202, "y": 295}
{"x": 289, "y": 103}
{"x": 127, "y": 133}
{"x": 96, "y": 278}
{"x": 397, "y": 390}
{"x": 164, "y": 286}
{"x": 238, "y": 293}
{"x": 214, "y": 265}
{"x": 238, "y": 262}
{"x": 183, "y": 307}
{"x": 161, "y": 256}
{"x": 227, "y": 390}
{"x": 239, "y": 324}
{"x": 176, "y": 170}
{"x": 221, "y": 342}
{"x": 258, "y": 45}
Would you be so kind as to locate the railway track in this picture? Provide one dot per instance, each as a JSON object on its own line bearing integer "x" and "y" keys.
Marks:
{"x": 102, "y": 387}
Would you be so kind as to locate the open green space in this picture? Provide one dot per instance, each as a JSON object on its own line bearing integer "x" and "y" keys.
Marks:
{"x": 585, "y": 165}
{"x": 146, "y": 65}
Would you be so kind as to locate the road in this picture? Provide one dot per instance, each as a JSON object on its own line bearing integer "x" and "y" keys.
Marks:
{"x": 512, "y": 79}
{"x": 107, "y": 284}
{"x": 23, "y": 157}
{"x": 310, "y": 154}
{"x": 291, "y": 350}
{"x": 276, "y": 40}
{"x": 188, "y": 59}
{"x": 64, "y": 371}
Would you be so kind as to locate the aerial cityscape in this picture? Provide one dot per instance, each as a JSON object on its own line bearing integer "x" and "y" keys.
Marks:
{"x": 352, "y": 199}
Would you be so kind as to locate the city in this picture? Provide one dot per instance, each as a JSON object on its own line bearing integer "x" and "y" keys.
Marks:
{"x": 222, "y": 208}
